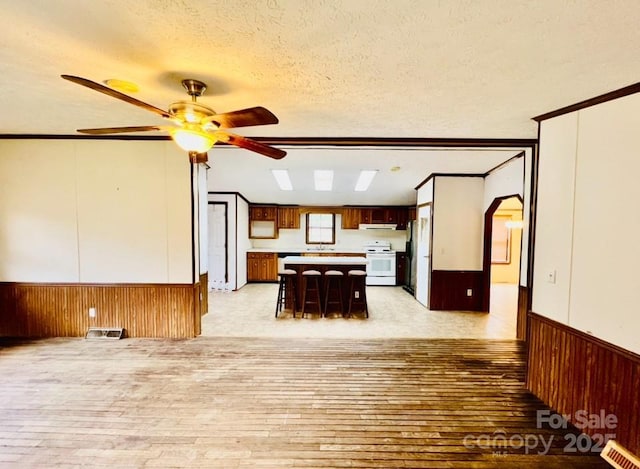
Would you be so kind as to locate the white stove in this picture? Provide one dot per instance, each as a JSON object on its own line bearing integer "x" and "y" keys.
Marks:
{"x": 381, "y": 268}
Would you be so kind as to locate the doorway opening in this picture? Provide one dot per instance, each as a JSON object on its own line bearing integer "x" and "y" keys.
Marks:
{"x": 502, "y": 253}
{"x": 218, "y": 255}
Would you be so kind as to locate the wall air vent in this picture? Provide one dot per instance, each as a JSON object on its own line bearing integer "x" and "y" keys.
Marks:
{"x": 619, "y": 457}
{"x": 104, "y": 333}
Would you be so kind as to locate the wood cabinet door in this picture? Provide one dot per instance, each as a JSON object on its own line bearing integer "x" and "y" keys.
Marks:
{"x": 270, "y": 212}
{"x": 262, "y": 267}
{"x": 350, "y": 218}
{"x": 263, "y": 212}
{"x": 378, "y": 215}
{"x": 253, "y": 269}
{"x": 391, "y": 214}
{"x": 289, "y": 217}
{"x": 402, "y": 217}
{"x": 272, "y": 267}
{"x": 365, "y": 215}
{"x": 255, "y": 213}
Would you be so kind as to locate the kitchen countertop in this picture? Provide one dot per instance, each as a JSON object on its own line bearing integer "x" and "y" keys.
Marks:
{"x": 317, "y": 260}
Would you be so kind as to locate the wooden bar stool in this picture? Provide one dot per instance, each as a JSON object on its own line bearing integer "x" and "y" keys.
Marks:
{"x": 333, "y": 290}
{"x": 358, "y": 291}
{"x": 311, "y": 291}
{"x": 287, "y": 291}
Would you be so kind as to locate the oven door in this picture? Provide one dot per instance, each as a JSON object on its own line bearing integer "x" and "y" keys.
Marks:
{"x": 381, "y": 268}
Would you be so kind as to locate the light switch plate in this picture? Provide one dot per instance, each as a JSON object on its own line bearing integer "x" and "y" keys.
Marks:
{"x": 551, "y": 276}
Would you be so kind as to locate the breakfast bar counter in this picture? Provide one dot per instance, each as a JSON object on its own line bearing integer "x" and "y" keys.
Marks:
{"x": 325, "y": 260}
{"x": 323, "y": 263}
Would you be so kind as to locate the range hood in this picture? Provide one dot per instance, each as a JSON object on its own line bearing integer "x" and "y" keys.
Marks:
{"x": 377, "y": 226}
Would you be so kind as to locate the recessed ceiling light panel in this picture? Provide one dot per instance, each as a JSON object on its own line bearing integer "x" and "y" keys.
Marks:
{"x": 323, "y": 179}
{"x": 365, "y": 178}
{"x": 282, "y": 178}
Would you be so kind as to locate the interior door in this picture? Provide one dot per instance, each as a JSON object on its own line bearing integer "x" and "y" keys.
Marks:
{"x": 423, "y": 250}
{"x": 217, "y": 218}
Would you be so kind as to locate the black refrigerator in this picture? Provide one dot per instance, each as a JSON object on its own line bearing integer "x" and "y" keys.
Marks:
{"x": 411, "y": 264}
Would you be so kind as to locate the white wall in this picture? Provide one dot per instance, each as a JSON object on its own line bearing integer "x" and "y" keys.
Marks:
{"x": 509, "y": 180}
{"x": 38, "y": 212}
{"x": 554, "y": 226}
{"x": 202, "y": 219}
{"x": 244, "y": 243}
{"x": 425, "y": 193}
{"x": 458, "y": 221}
{"x": 586, "y": 231}
{"x": 232, "y": 262}
{"x": 94, "y": 212}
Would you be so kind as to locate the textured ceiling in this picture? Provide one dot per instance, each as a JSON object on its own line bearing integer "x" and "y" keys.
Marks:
{"x": 401, "y": 68}
{"x": 326, "y": 68}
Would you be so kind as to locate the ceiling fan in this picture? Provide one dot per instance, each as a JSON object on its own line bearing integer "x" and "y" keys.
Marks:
{"x": 196, "y": 126}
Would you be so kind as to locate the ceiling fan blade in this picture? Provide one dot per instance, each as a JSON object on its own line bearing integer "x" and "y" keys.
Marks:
{"x": 244, "y": 118}
{"x": 249, "y": 144}
{"x": 119, "y": 130}
{"x": 116, "y": 94}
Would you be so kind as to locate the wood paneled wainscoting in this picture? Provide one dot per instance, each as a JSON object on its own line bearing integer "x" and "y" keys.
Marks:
{"x": 572, "y": 371}
{"x": 521, "y": 320}
{"x": 62, "y": 310}
{"x": 204, "y": 294}
{"x": 449, "y": 290}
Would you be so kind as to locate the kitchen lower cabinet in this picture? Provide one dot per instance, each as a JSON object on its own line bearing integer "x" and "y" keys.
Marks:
{"x": 262, "y": 267}
{"x": 401, "y": 266}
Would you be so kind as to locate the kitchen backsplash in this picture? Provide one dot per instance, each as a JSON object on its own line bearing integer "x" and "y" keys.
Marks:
{"x": 345, "y": 239}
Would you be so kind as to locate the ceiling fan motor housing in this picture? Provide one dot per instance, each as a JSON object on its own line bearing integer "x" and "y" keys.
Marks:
{"x": 194, "y": 88}
{"x": 190, "y": 112}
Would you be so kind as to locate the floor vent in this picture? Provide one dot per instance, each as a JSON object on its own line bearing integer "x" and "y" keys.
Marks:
{"x": 619, "y": 457}
{"x": 105, "y": 333}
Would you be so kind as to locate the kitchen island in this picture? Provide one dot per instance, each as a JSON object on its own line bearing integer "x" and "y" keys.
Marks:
{"x": 323, "y": 263}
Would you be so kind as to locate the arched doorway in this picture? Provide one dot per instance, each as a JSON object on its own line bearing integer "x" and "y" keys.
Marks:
{"x": 502, "y": 253}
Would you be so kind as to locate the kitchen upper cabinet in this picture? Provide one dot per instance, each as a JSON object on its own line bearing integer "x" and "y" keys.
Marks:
{"x": 353, "y": 216}
{"x": 379, "y": 215}
{"x": 289, "y": 217}
{"x": 263, "y": 212}
{"x": 350, "y": 218}
{"x": 262, "y": 267}
{"x": 365, "y": 215}
{"x": 402, "y": 218}
{"x": 263, "y": 221}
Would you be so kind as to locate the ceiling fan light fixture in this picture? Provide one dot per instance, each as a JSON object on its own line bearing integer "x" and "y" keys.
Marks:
{"x": 122, "y": 85}
{"x": 190, "y": 112}
{"x": 191, "y": 140}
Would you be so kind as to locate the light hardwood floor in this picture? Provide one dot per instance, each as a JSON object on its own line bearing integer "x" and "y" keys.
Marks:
{"x": 265, "y": 402}
{"x": 256, "y": 391}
